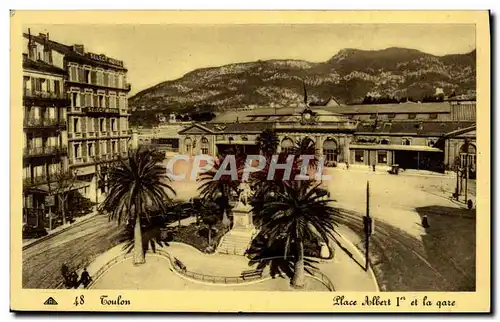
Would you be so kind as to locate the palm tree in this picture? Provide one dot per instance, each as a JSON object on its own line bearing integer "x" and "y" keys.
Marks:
{"x": 296, "y": 215}
{"x": 267, "y": 142}
{"x": 219, "y": 191}
{"x": 134, "y": 186}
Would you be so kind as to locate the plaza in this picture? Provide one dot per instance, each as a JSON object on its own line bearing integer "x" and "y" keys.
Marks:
{"x": 444, "y": 253}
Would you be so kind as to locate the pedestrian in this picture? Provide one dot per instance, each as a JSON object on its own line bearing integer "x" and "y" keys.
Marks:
{"x": 425, "y": 222}
{"x": 347, "y": 165}
{"x": 85, "y": 278}
{"x": 373, "y": 167}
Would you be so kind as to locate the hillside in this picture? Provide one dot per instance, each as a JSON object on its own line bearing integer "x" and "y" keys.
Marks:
{"x": 349, "y": 76}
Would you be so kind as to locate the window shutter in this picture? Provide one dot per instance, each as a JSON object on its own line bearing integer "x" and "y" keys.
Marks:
{"x": 95, "y": 101}
{"x": 84, "y": 125}
{"x": 84, "y": 149}
{"x": 82, "y": 100}
{"x": 108, "y": 147}
{"x": 70, "y": 151}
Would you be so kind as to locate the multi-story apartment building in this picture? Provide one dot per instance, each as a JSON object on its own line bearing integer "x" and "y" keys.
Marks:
{"x": 45, "y": 132}
{"x": 97, "y": 121}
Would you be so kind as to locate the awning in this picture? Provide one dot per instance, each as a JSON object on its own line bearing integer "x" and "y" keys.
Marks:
{"x": 44, "y": 188}
{"x": 394, "y": 147}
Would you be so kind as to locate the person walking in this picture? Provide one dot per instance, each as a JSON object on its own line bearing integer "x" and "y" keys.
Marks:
{"x": 85, "y": 278}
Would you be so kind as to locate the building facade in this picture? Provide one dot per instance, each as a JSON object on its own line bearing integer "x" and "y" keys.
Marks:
{"x": 421, "y": 136}
{"x": 45, "y": 139}
{"x": 97, "y": 114}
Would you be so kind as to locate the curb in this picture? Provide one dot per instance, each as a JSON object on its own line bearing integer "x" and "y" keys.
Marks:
{"x": 49, "y": 236}
{"x": 370, "y": 269}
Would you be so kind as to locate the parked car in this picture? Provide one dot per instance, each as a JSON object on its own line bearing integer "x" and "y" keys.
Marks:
{"x": 33, "y": 231}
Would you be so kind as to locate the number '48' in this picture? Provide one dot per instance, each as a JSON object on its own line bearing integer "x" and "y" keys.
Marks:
{"x": 79, "y": 300}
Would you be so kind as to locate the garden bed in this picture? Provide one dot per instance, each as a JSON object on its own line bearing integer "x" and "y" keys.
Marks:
{"x": 197, "y": 236}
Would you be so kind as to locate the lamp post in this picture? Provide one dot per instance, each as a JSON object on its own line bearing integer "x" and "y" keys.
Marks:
{"x": 367, "y": 221}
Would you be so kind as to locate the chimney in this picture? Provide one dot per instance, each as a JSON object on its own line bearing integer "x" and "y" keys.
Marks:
{"x": 79, "y": 49}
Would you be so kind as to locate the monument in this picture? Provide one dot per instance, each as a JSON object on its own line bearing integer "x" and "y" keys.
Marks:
{"x": 242, "y": 212}
{"x": 238, "y": 239}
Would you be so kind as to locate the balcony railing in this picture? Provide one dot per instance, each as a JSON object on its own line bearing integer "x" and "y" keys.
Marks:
{"x": 30, "y": 122}
{"x": 43, "y": 94}
{"x": 31, "y": 181}
{"x": 45, "y": 150}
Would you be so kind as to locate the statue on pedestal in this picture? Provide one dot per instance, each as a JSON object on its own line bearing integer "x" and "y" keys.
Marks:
{"x": 245, "y": 193}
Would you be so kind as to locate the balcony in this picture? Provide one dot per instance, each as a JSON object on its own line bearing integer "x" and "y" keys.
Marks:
{"x": 43, "y": 98}
{"x": 44, "y": 151}
{"x": 44, "y": 94}
{"x": 31, "y": 122}
{"x": 33, "y": 181}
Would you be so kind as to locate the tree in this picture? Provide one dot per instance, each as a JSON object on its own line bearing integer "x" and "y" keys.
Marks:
{"x": 209, "y": 218}
{"x": 267, "y": 142}
{"x": 64, "y": 181}
{"x": 220, "y": 191}
{"x": 293, "y": 217}
{"x": 136, "y": 185}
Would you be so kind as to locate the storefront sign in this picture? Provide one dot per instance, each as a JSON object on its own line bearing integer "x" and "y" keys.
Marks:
{"x": 105, "y": 59}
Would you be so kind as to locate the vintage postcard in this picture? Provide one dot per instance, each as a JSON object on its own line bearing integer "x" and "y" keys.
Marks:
{"x": 257, "y": 161}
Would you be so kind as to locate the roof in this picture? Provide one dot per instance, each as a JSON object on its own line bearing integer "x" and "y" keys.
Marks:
{"x": 69, "y": 53}
{"x": 248, "y": 127}
{"x": 414, "y": 128}
{"x": 409, "y": 107}
{"x": 39, "y": 65}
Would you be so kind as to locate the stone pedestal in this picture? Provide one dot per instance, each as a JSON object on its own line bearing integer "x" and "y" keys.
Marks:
{"x": 242, "y": 217}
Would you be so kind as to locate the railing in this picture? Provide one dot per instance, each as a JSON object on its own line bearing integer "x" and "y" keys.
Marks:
{"x": 30, "y": 122}
{"x": 46, "y": 150}
{"x": 43, "y": 94}
{"x": 179, "y": 267}
{"x": 31, "y": 181}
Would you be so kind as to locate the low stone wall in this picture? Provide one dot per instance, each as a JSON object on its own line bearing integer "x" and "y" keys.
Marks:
{"x": 203, "y": 278}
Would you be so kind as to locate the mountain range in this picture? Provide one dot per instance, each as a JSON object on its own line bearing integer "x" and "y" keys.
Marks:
{"x": 348, "y": 76}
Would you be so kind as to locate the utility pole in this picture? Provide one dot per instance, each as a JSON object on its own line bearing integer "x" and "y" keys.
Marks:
{"x": 367, "y": 220}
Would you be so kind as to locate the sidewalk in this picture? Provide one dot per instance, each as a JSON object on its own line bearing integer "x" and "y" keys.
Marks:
{"x": 58, "y": 230}
{"x": 381, "y": 169}
{"x": 345, "y": 269}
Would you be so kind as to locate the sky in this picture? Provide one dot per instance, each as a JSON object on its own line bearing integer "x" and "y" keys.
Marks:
{"x": 156, "y": 53}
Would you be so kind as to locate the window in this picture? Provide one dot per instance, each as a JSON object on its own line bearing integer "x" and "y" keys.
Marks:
{"x": 88, "y": 98}
{"x": 204, "y": 146}
{"x": 384, "y": 141}
{"x": 359, "y": 155}
{"x": 93, "y": 77}
{"x": 76, "y": 125}
{"x": 113, "y": 146}
{"x": 391, "y": 115}
{"x": 382, "y": 157}
{"x": 188, "y": 144}
{"x": 75, "y": 99}
{"x": 433, "y": 116}
{"x": 431, "y": 142}
{"x": 105, "y": 79}
{"x": 113, "y": 125}
{"x": 100, "y": 101}
{"x": 412, "y": 116}
{"x": 373, "y": 116}
{"x": 330, "y": 150}
{"x": 406, "y": 141}
{"x": 90, "y": 148}
{"x": 87, "y": 76}
{"x": 102, "y": 125}
{"x": 72, "y": 74}
{"x": 76, "y": 148}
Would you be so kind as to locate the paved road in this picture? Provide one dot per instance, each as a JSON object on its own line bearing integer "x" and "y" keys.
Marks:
{"x": 76, "y": 247}
{"x": 444, "y": 260}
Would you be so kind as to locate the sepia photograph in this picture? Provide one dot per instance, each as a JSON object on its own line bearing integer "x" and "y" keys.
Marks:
{"x": 305, "y": 158}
